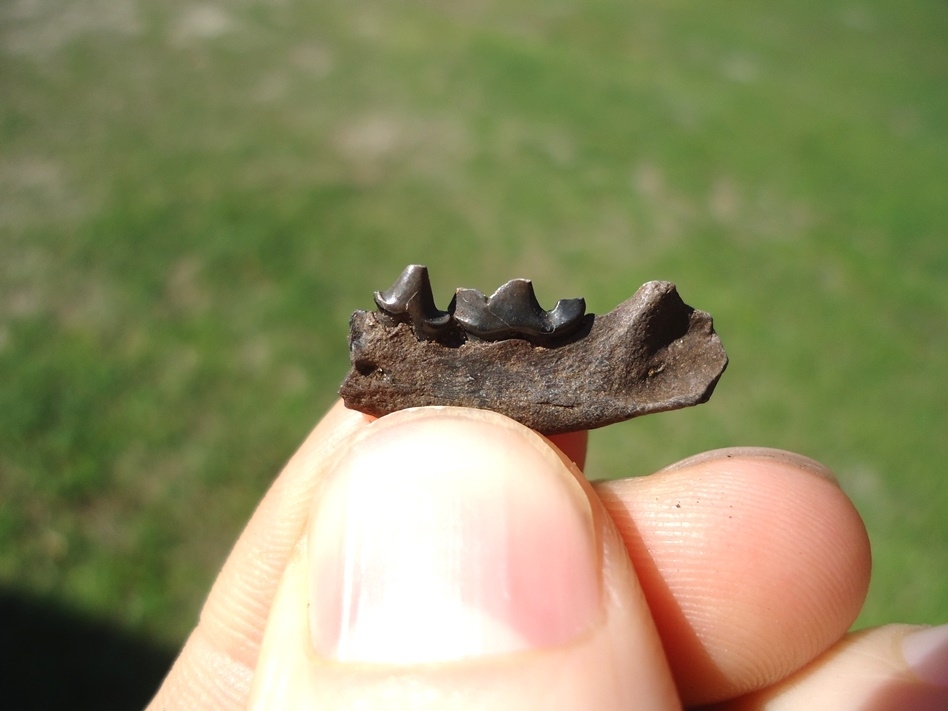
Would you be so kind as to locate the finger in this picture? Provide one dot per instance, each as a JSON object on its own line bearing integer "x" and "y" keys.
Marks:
{"x": 893, "y": 667}
{"x": 573, "y": 445}
{"x": 753, "y": 562}
{"x": 455, "y": 560}
{"x": 216, "y": 666}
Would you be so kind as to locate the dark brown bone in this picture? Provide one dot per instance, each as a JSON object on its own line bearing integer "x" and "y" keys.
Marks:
{"x": 650, "y": 354}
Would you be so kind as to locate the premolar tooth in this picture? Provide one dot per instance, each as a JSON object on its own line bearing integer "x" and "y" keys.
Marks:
{"x": 410, "y": 300}
{"x": 514, "y": 312}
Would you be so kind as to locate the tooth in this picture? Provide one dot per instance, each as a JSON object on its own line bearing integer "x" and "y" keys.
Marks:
{"x": 514, "y": 312}
{"x": 410, "y": 300}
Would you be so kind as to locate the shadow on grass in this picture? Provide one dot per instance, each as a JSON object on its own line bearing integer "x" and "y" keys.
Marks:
{"x": 53, "y": 659}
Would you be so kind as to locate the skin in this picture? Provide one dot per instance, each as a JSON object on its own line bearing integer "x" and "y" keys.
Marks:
{"x": 730, "y": 578}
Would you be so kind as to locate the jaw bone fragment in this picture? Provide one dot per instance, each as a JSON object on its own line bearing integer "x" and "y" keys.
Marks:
{"x": 651, "y": 353}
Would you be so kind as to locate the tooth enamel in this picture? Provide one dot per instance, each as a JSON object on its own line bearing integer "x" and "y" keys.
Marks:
{"x": 514, "y": 312}
{"x": 410, "y": 300}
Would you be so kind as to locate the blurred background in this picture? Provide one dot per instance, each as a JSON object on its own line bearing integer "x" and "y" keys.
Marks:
{"x": 194, "y": 197}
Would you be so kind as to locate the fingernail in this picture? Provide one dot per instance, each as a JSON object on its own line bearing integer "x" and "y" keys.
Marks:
{"x": 774, "y": 455}
{"x": 926, "y": 652}
{"x": 444, "y": 535}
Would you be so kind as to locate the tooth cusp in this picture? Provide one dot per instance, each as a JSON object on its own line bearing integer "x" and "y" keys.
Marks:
{"x": 514, "y": 312}
{"x": 510, "y": 312}
{"x": 410, "y": 300}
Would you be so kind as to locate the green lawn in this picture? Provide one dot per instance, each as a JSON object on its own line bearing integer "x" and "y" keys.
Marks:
{"x": 195, "y": 196}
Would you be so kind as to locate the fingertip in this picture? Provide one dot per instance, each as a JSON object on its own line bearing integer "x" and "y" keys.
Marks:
{"x": 925, "y": 651}
{"x": 753, "y": 562}
{"x": 757, "y": 454}
{"x": 431, "y": 541}
{"x": 440, "y": 539}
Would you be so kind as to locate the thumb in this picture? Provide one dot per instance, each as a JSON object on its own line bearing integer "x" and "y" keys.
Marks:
{"x": 455, "y": 560}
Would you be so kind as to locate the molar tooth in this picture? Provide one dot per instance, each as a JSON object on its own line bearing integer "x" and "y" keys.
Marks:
{"x": 410, "y": 300}
{"x": 514, "y": 312}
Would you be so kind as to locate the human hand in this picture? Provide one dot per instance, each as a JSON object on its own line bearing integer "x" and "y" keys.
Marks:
{"x": 453, "y": 559}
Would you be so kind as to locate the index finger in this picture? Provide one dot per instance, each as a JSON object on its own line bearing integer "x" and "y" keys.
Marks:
{"x": 753, "y": 562}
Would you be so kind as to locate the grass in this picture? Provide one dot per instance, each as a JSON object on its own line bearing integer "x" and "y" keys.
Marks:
{"x": 194, "y": 197}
